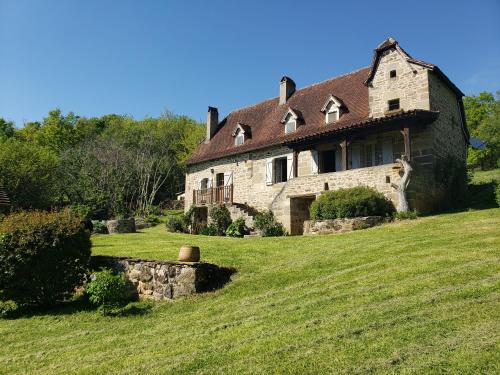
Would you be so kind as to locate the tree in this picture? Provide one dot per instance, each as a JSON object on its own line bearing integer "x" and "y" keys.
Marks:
{"x": 28, "y": 174}
{"x": 6, "y": 129}
{"x": 483, "y": 119}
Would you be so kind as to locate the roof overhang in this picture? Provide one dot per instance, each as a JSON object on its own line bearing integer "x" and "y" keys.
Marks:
{"x": 413, "y": 118}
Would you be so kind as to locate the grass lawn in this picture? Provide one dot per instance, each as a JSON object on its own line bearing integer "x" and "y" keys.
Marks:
{"x": 410, "y": 297}
{"x": 479, "y": 177}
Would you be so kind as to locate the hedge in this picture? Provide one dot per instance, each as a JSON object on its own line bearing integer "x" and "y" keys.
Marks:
{"x": 352, "y": 202}
{"x": 43, "y": 257}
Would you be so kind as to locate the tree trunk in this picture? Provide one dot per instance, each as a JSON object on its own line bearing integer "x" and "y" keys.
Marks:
{"x": 403, "y": 184}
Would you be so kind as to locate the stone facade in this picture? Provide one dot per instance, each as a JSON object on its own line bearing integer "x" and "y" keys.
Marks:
{"x": 417, "y": 87}
{"x": 341, "y": 225}
{"x": 410, "y": 85}
{"x": 161, "y": 280}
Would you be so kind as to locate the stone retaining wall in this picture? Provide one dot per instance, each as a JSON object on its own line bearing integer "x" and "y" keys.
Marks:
{"x": 340, "y": 225}
{"x": 166, "y": 280}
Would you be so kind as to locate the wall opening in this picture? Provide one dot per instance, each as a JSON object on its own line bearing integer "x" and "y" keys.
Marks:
{"x": 299, "y": 212}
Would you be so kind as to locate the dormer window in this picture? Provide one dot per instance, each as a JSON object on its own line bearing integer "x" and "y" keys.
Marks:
{"x": 240, "y": 133}
{"x": 290, "y": 120}
{"x": 332, "y": 109}
{"x": 290, "y": 125}
{"x": 239, "y": 139}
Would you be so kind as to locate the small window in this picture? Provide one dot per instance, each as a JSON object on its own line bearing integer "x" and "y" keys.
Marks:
{"x": 290, "y": 125}
{"x": 280, "y": 168}
{"x": 239, "y": 139}
{"x": 392, "y": 74}
{"x": 332, "y": 115}
{"x": 393, "y": 104}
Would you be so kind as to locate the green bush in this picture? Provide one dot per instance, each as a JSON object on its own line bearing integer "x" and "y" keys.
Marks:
{"x": 152, "y": 219}
{"x": 99, "y": 227}
{"x": 43, "y": 257}
{"x": 108, "y": 291}
{"x": 352, "y": 202}
{"x": 267, "y": 224}
{"x": 406, "y": 215}
{"x": 8, "y": 309}
{"x": 220, "y": 219}
{"x": 497, "y": 194}
{"x": 208, "y": 230}
{"x": 237, "y": 228}
{"x": 176, "y": 223}
{"x": 83, "y": 211}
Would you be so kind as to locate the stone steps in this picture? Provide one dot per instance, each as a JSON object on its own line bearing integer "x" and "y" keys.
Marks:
{"x": 238, "y": 210}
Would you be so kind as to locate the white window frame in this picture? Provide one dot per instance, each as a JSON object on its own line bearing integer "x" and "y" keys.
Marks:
{"x": 334, "y": 110}
{"x": 239, "y": 139}
{"x": 292, "y": 121}
{"x": 332, "y": 106}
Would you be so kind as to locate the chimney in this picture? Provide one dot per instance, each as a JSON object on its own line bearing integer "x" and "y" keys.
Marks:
{"x": 287, "y": 88}
{"x": 212, "y": 122}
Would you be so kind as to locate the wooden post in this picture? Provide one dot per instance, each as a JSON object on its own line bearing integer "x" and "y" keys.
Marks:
{"x": 295, "y": 164}
{"x": 344, "y": 144}
{"x": 406, "y": 137}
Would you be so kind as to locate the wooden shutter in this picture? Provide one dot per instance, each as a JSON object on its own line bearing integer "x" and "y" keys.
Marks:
{"x": 269, "y": 171}
{"x": 314, "y": 162}
{"x": 228, "y": 178}
{"x": 289, "y": 166}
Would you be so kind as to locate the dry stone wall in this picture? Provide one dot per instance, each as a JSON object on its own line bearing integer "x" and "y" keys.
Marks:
{"x": 162, "y": 280}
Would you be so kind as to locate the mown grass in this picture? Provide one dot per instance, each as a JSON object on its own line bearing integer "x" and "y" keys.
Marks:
{"x": 479, "y": 177}
{"x": 420, "y": 296}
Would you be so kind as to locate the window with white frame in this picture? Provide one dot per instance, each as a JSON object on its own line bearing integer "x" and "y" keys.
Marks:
{"x": 290, "y": 124}
{"x": 239, "y": 139}
{"x": 331, "y": 109}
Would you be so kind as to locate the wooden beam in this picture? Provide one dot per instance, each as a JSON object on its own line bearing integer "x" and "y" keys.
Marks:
{"x": 344, "y": 145}
{"x": 406, "y": 137}
{"x": 295, "y": 163}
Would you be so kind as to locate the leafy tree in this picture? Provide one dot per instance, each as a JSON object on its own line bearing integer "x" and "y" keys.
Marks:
{"x": 483, "y": 119}
{"x": 28, "y": 173}
{"x": 6, "y": 129}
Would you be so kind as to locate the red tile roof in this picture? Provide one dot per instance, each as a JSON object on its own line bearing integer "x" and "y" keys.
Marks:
{"x": 264, "y": 118}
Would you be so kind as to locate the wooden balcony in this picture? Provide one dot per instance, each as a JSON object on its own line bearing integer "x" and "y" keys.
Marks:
{"x": 215, "y": 195}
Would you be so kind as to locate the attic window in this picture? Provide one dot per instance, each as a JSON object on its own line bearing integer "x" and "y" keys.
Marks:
{"x": 392, "y": 74}
{"x": 290, "y": 124}
{"x": 332, "y": 109}
{"x": 393, "y": 104}
{"x": 239, "y": 139}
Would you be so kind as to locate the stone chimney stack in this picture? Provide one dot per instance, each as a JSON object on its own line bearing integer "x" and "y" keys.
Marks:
{"x": 212, "y": 122}
{"x": 287, "y": 88}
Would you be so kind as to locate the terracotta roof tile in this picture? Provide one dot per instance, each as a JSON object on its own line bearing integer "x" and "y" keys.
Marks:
{"x": 264, "y": 118}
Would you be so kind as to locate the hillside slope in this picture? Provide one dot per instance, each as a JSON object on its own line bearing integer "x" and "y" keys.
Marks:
{"x": 413, "y": 297}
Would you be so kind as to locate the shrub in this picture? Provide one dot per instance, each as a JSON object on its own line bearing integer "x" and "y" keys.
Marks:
{"x": 208, "y": 230}
{"x": 108, "y": 291}
{"x": 83, "y": 211}
{"x": 352, "y": 202}
{"x": 497, "y": 194}
{"x": 99, "y": 227}
{"x": 152, "y": 219}
{"x": 267, "y": 224}
{"x": 43, "y": 257}
{"x": 406, "y": 215}
{"x": 8, "y": 309}
{"x": 220, "y": 219}
{"x": 176, "y": 223}
{"x": 237, "y": 228}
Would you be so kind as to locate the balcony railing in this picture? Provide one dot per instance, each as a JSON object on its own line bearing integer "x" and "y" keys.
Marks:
{"x": 219, "y": 194}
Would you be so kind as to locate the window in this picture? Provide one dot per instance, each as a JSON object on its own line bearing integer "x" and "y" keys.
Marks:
{"x": 280, "y": 170}
{"x": 392, "y": 74}
{"x": 393, "y": 104}
{"x": 327, "y": 161}
{"x": 204, "y": 184}
{"x": 239, "y": 139}
{"x": 332, "y": 115}
{"x": 290, "y": 125}
{"x": 331, "y": 109}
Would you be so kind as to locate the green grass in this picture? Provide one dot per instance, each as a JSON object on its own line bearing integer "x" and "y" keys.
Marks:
{"x": 419, "y": 296}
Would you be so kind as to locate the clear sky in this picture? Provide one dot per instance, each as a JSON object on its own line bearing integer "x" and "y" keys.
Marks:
{"x": 140, "y": 58}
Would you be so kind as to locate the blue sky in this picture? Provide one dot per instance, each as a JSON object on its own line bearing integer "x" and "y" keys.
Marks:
{"x": 140, "y": 58}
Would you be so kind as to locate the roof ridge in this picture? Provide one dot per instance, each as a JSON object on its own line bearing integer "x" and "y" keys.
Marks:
{"x": 301, "y": 89}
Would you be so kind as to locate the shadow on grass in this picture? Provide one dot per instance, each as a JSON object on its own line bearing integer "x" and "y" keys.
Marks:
{"x": 82, "y": 304}
{"x": 482, "y": 196}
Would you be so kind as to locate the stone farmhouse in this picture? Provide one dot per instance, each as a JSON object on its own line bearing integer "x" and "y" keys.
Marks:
{"x": 282, "y": 153}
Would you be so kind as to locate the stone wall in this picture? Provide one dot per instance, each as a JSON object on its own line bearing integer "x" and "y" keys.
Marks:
{"x": 341, "y": 225}
{"x": 166, "y": 280}
{"x": 410, "y": 84}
